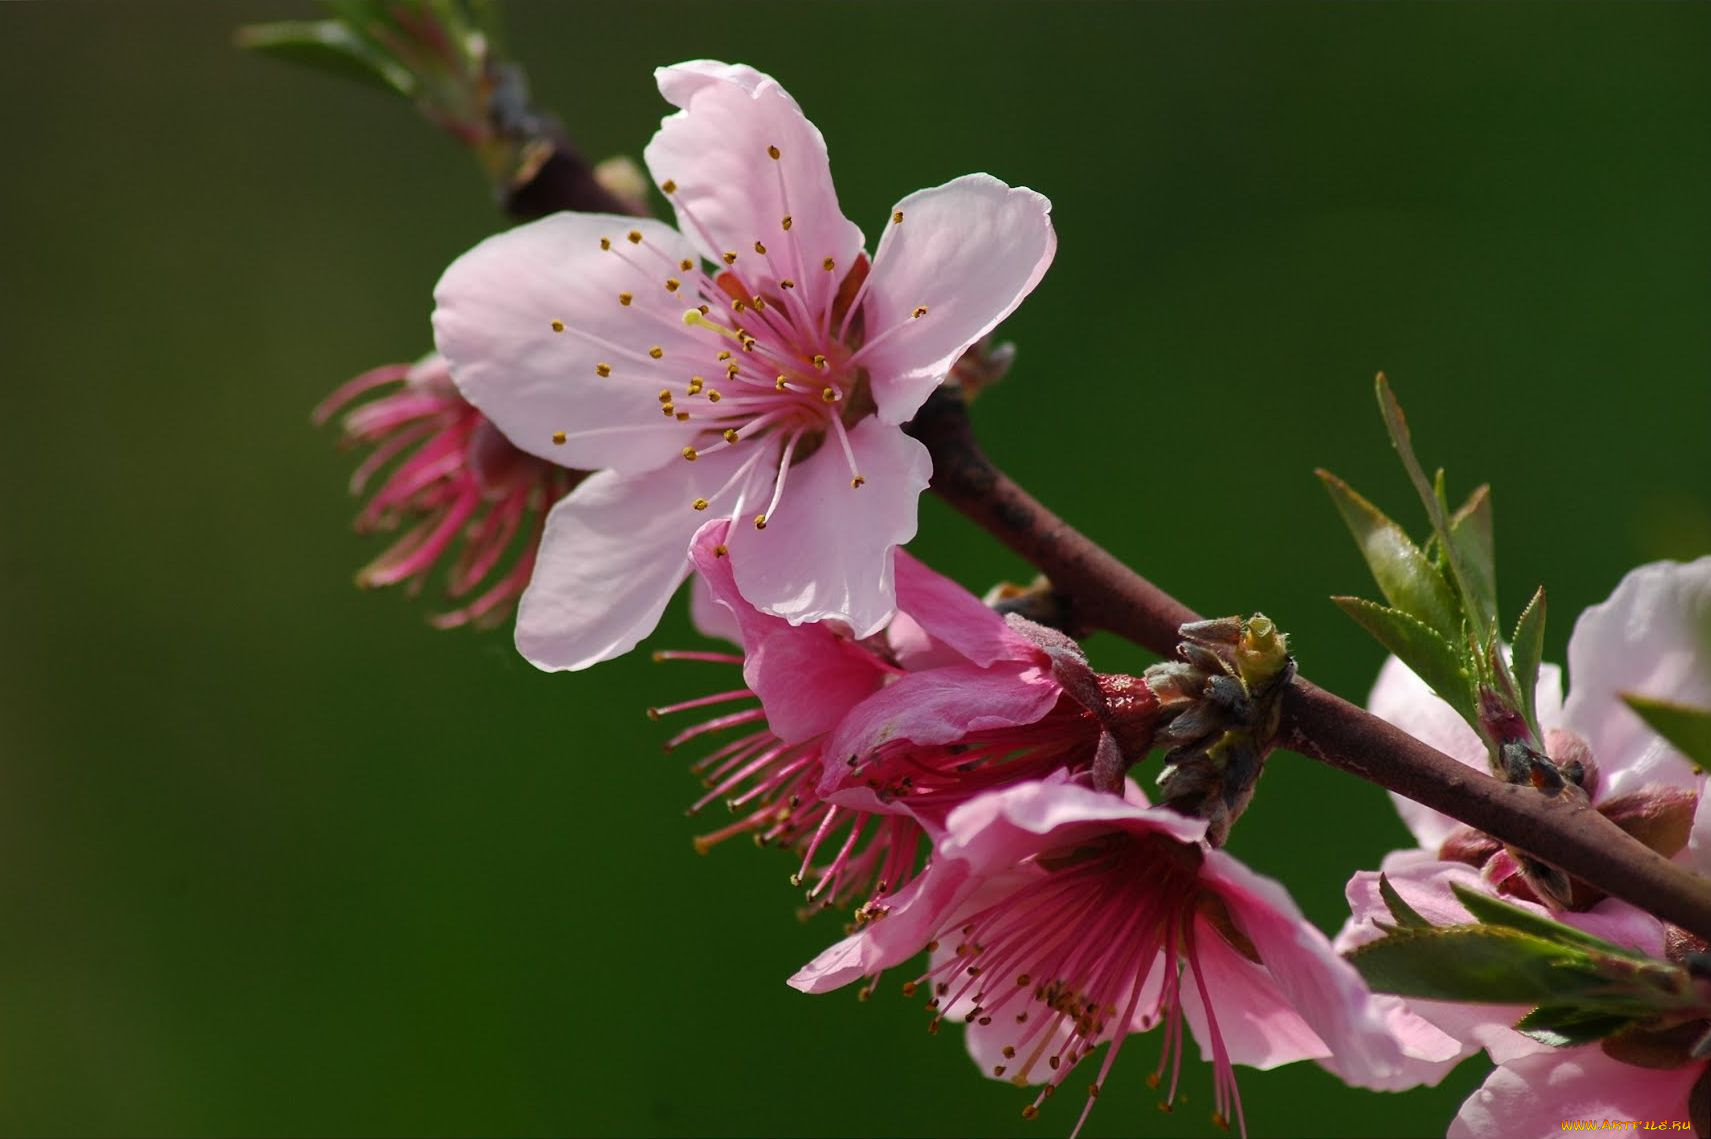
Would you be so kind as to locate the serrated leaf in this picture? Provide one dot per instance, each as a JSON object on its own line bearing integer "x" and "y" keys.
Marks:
{"x": 1687, "y": 729}
{"x": 328, "y": 46}
{"x": 1526, "y": 650}
{"x": 1564, "y": 1026}
{"x": 1436, "y": 659}
{"x": 1406, "y": 916}
{"x": 1405, "y": 575}
{"x": 1496, "y": 912}
{"x": 1472, "y": 535}
{"x": 1396, "y": 424}
{"x": 1478, "y": 963}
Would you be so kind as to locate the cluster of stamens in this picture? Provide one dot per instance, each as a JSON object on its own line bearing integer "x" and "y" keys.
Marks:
{"x": 779, "y": 353}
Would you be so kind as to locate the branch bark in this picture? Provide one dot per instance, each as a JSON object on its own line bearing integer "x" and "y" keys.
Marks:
{"x": 1104, "y": 593}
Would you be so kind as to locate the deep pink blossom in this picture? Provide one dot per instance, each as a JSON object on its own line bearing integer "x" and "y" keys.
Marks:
{"x": 751, "y": 364}
{"x": 1650, "y": 638}
{"x": 1059, "y": 918}
{"x": 802, "y": 683}
{"x": 454, "y": 481}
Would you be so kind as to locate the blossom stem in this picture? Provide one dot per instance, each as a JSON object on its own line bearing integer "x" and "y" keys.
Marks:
{"x": 1103, "y": 593}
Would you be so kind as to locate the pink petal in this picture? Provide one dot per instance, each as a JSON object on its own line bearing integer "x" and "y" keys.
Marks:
{"x": 968, "y": 251}
{"x": 613, "y": 553}
{"x": 1258, "y": 1026}
{"x": 710, "y": 617}
{"x": 730, "y": 192}
{"x": 807, "y": 677}
{"x": 1648, "y": 638}
{"x": 950, "y": 614}
{"x": 1534, "y": 1096}
{"x": 1405, "y": 700}
{"x": 917, "y": 912}
{"x": 826, "y": 553}
{"x": 941, "y": 706}
{"x": 1326, "y": 990}
{"x": 493, "y": 317}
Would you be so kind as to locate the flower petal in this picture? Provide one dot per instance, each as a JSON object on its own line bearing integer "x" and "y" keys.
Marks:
{"x": 807, "y": 677}
{"x": 968, "y": 252}
{"x": 612, "y": 554}
{"x": 1538, "y": 1095}
{"x": 826, "y": 553}
{"x": 731, "y": 193}
{"x": 1650, "y": 637}
{"x": 953, "y": 616}
{"x": 493, "y": 321}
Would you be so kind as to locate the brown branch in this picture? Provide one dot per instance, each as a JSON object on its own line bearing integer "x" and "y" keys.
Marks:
{"x": 1104, "y": 593}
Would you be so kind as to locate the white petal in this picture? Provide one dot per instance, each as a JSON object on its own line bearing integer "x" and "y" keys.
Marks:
{"x": 613, "y": 553}
{"x": 730, "y": 192}
{"x": 826, "y": 553}
{"x": 967, "y": 252}
{"x": 493, "y": 321}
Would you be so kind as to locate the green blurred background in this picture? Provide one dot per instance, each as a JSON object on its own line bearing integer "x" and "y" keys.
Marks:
{"x": 278, "y": 858}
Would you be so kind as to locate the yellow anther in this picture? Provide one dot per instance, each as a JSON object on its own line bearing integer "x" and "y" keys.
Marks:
{"x": 625, "y": 298}
{"x": 787, "y": 283}
{"x": 1030, "y": 1112}
{"x": 635, "y": 236}
{"x": 695, "y": 385}
{"x": 748, "y": 343}
{"x": 728, "y": 257}
{"x": 760, "y": 522}
{"x": 703, "y": 309}
{"x": 739, "y": 306}
{"x": 700, "y": 504}
{"x": 731, "y": 371}
{"x": 672, "y": 284}
{"x": 656, "y": 351}
{"x": 1009, "y": 1051}
{"x": 819, "y": 361}
{"x": 602, "y": 369}
{"x": 682, "y": 416}
{"x": 760, "y": 249}
{"x": 786, "y": 222}
{"x": 1092, "y": 1091}
{"x": 828, "y": 264}
{"x": 897, "y": 218}
{"x": 605, "y": 243}
{"x": 668, "y": 187}
{"x": 669, "y": 411}
{"x": 781, "y": 384}
{"x": 830, "y": 395}
{"x": 998, "y": 1069}
{"x": 558, "y": 437}
{"x": 1218, "y": 1120}
{"x": 772, "y": 153}
{"x": 714, "y": 397}
{"x": 730, "y": 434}
{"x": 1152, "y": 1080}
{"x": 858, "y": 481}
{"x": 759, "y": 303}
{"x": 689, "y": 453}
{"x": 724, "y": 355}
{"x": 558, "y": 326}
{"x": 686, "y": 264}
{"x": 920, "y": 311}
{"x": 665, "y": 395}
{"x": 720, "y": 550}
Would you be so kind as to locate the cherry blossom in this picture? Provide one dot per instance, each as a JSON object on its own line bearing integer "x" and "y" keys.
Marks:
{"x": 453, "y": 479}
{"x": 751, "y": 364}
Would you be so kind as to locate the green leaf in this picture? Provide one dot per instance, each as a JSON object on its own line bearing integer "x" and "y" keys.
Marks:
{"x": 1406, "y": 916}
{"x": 1527, "y": 649}
{"x": 329, "y": 46}
{"x": 1471, "y": 535}
{"x": 1405, "y": 575}
{"x": 1496, "y": 912}
{"x": 1436, "y": 659}
{"x": 1479, "y": 963}
{"x": 1688, "y": 729}
{"x": 1397, "y": 425}
{"x": 1564, "y": 1026}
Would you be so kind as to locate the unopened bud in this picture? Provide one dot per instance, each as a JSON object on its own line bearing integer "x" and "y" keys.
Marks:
{"x": 624, "y": 180}
{"x": 1660, "y": 817}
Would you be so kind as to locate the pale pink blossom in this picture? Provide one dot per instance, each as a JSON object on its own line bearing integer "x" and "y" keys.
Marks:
{"x": 452, "y": 482}
{"x": 1650, "y": 637}
{"x": 1059, "y": 918}
{"x": 751, "y": 364}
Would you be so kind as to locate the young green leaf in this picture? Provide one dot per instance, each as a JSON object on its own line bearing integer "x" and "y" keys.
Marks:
{"x": 1496, "y": 912}
{"x": 1471, "y": 534}
{"x": 1564, "y": 1026}
{"x": 1406, "y": 916}
{"x": 329, "y": 46}
{"x": 1527, "y": 648}
{"x": 1479, "y": 963}
{"x": 1688, "y": 729}
{"x": 1405, "y": 575}
{"x": 1434, "y": 658}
